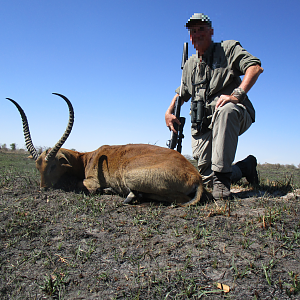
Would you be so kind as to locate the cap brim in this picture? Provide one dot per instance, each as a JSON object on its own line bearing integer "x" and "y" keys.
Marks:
{"x": 195, "y": 21}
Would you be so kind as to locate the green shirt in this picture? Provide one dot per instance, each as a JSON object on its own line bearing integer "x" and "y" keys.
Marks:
{"x": 222, "y": 65}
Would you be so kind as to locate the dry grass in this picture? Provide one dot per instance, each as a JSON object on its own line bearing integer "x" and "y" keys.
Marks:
{"x": 67, "y": 245}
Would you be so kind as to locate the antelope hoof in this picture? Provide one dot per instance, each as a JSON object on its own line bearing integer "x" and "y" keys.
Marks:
{"x": 131, "y": 196}
{"x": 108, "y": 191}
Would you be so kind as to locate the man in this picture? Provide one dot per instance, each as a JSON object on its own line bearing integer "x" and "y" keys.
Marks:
{"x": 213, "y": 75}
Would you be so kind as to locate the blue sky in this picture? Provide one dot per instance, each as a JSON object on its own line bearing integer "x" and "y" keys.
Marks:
{"x": 119, "y": 64}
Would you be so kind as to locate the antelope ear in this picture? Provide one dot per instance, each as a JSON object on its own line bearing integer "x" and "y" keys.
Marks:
{"x": 64, "y": 162}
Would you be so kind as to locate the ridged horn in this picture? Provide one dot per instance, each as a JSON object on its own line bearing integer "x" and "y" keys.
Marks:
{"x": 28, "y": 141}
{"x": 67, "y": 132}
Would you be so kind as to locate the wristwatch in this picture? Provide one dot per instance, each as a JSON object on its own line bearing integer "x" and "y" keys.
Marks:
{"x": 239, "y": 93}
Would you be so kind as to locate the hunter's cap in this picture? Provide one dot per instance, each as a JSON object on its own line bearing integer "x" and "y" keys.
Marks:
{"x": 198, "y": 17}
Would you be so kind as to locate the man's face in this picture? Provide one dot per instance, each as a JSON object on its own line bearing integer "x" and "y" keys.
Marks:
{"x": 200, "y": 36}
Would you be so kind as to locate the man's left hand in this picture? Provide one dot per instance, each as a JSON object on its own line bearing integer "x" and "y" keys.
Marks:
{"x": 225, "y": 99}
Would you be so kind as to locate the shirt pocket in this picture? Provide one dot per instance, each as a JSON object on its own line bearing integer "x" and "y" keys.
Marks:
{"x": 221, "y": 77}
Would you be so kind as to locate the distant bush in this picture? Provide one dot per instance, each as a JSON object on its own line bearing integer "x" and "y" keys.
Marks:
{"x": 13, "y": 146}
{"x": 278, "y": 172}
{"x": 291, "y": 167}
{"x": 188, "y": 157}
{"x": 41, "y": 149}
{"x": 279, "y": 166}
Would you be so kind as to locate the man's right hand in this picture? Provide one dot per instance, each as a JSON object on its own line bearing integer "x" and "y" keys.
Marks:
{"x": 169, "y": 117}
{"x": 170, "y": 120}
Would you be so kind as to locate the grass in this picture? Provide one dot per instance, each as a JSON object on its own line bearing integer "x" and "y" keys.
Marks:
{"x": 65, "y": 245}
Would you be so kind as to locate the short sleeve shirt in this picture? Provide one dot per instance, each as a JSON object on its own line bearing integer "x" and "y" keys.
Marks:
{"x": 220, "y": 70}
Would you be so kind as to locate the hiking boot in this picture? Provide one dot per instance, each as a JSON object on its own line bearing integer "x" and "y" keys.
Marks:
{"x": 248, "y": 168}
{"x": 221, "y": 186}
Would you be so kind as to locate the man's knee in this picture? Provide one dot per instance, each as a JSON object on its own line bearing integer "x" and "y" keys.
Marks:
{"x": 229, "y": 110}
{"x": 227, "y": 119}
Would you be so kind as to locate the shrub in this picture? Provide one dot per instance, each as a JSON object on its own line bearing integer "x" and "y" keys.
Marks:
{"x": 13, "y": 146}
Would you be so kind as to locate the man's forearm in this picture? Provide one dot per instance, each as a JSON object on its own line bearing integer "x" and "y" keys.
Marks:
{"x": 248, "y": 81}
{"x": 250, "y": 77}
{"x": 171, "y": 107}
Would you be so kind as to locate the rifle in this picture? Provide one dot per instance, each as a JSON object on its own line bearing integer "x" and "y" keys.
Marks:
{"x": 176, "y": 138}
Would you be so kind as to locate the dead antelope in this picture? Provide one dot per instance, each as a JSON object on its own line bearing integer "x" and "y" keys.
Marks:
{"x": 131, "y": 170}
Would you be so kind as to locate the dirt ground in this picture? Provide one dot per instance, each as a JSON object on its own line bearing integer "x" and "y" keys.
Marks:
{"x": 60, "y": 244}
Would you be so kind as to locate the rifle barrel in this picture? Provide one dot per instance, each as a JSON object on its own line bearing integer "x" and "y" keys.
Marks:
{"x": 184, "y": 55}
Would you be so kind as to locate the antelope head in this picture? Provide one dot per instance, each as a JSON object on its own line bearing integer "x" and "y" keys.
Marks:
{"x": 52, "y": 163}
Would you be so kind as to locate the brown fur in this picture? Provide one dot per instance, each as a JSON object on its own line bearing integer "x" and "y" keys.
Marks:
{"x": 156, "y": 172}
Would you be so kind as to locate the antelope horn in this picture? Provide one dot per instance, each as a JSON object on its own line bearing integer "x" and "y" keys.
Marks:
{"x": 28, "y": 141}
{"x": 58, "y": 145}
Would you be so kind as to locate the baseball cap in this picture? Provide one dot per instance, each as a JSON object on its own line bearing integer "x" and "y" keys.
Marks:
{"x": 198, "y": 17}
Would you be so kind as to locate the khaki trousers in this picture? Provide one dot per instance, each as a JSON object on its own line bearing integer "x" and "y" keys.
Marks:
{"x": 215, "y": 150}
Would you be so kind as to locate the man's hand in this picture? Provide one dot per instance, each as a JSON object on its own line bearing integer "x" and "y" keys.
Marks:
{"x": 169, "y": 117}
{"x": 225, "y": 99}
{"x": 170, "y": 120}
{"x": 249, "y": 79}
